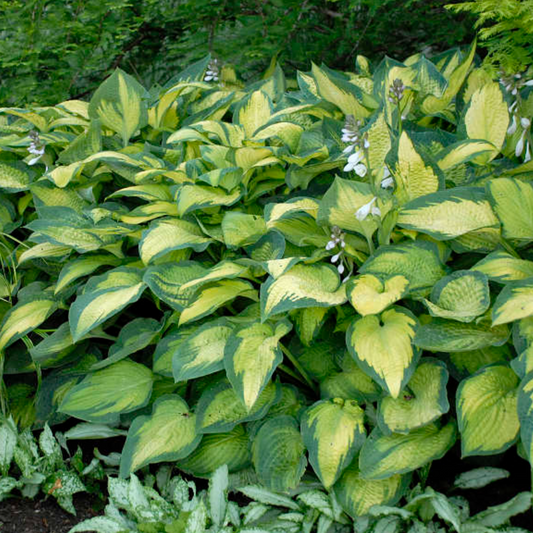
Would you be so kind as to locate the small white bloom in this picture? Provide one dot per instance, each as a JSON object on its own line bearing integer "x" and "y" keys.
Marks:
{"x": 520, "y": 145}
{"x": 514, "y": 92}
{"x": 340, "y": 268}
{"x": 513, "y": 106}
{"x": 366, "y": 143}
{"x": 366, "y": 209}
{"x": 387, "y": 182}
{"x": 529, "y": 83}
{"x": 335, "y": 258}
{"x": 330, "y": 245}
{"x": 32, "y": 162}
{"x": 348, "y": 149}
{"x": 512, "y": 128}
{"x": 376, "y": 211}
{"x": 525, "y": 122}
{"x": 528, "y": 154}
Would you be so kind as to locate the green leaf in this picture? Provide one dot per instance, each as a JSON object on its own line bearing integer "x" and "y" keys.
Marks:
{"x": 333, "y": 431}
{"x": 418, "y": 261}
{"x": 486, "y": 411}
{"x": 168, "y": 434}
{"x": 462, "y": 296}
{"x": 423, "y": 402}
{"x": 448, "y": 214}
{"x": 462, "y": 152}
{"x": 220, "y": 409}
{"x": 202, "y": 352}
{"x": 357, "y": 495}
{"x": 525, "y": 413}
{"x": 166, "y": 281}
{"x": 487, "y": 118}
{"x": 502, "y": 267}
{"x": 103, "y": 297}
{"x": 499, "y": 515}
{"x": 413, "y": 176}
{"x": 25, "y": 317}
{"x": 8, "y": 441}
{"x": 480, "y": 477}
{"x": 309, "y": 322}
{"x": 215, "y": 295}
{"x": 119, "y": 104}
{"x": 441, "y": 335}
{"x": 370, "y": 295}
{"x": 102, "y": 396}
{"x": 514, "y": 302}
{"x": 373, "y": 341}
{"x": 133, "y": 337}
{"x": 251, "y": 356}
{"x": 385, "y": 455}
{"x": 302, "y": 286}
{"x": 51, "y": 351}
{"x": 278, "y": 454}
{"x": 231, "y": 448}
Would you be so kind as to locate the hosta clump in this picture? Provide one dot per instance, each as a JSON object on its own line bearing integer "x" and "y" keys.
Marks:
{"x": 201, "y": 266}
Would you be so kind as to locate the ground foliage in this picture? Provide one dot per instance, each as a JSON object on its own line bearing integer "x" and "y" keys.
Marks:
{"x": 332, "y": 281}
{"x": 55, "y": 50}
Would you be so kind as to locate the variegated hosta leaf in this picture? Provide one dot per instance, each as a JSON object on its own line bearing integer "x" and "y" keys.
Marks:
{"x": 51, "y": 351}
{"x": 105, "y": 394}
{"x": 241, "y": 229}
{"x": 418, "y": 261}
{"x": 523, "y": 344}
{"x": 525, "y": 413}
{"x": 487, "y": 118}
{"x": 278, "y": 454}
{"x": 448, "y": 214}
{"x": 370, "y": 295}
{"x": 253, "y": 112}
{"x": 461, "y": 152}
{"x": 251, "y": 356}
{"x": 170, "y": 234}
{"x": 382, "y": 347}
{"x": 167, "y": 347}
{"x": 442, "y": 335}
{"x": 119, "y": 103}
{"x": 168, "y": 434}
{"x": 333, "y": 431}
{"x": 221, "y": 271}
{"x": 349, "y": 98}
{"x": 384, "y": 455}
{"x": 512, "y": 201}
{"x": 461, "y": 296}
{"x": 220, "y": 409}
{"x": 166, "y": 281}
{"x": 195, "y": 197}
{"x": 463, "y": 364}
{"x": 103, "y": 297}
{"x": 231, "y": 448}
{"x": 413, "y": 176}
{"x": 340, "y": 203}
{"x": 422, "y": 402}
{"x": 212, "y": 296}
{"x": 25, "y": 317}
{"x": 503, "y": 267}
{"x": 514, "y": 302}
{"x": 275, "y": 212}
{"x": 202, "y": 352}
{"x": 302, "y": 286}
{"x": 84, "y": 266}
{"x": 357, "y": 495}
{"x": 487, "y": 411}
{"x": 13, "y": 179}
{"x": 378, "y": 135}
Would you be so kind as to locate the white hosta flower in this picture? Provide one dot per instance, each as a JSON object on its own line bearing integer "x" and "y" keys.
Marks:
{"x": 355, "y": 163}
{"x": 512, "y": 128}
{"x": 525, "y": 123}
{"x": 520, "y": 145}
{"x": 387, "y": 182}
{"x": 340, "y": 268}
{"x": 368, "y": 209}
{"x": 35, "y": 148}
{"x": 528, "y": 154}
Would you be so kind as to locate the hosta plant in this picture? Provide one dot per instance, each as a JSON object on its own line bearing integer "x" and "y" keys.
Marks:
{"x": 326, "y": 277}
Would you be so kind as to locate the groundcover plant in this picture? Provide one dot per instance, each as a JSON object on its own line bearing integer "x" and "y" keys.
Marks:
{"x": 328, "y": 276}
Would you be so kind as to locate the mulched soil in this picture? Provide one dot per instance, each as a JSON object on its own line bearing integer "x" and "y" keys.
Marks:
{"x": 44, "y": 516}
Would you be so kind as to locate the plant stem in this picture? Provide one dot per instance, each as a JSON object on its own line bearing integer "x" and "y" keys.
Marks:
{"x": 298, "y": 367}
{"x": 292, "y": 374}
